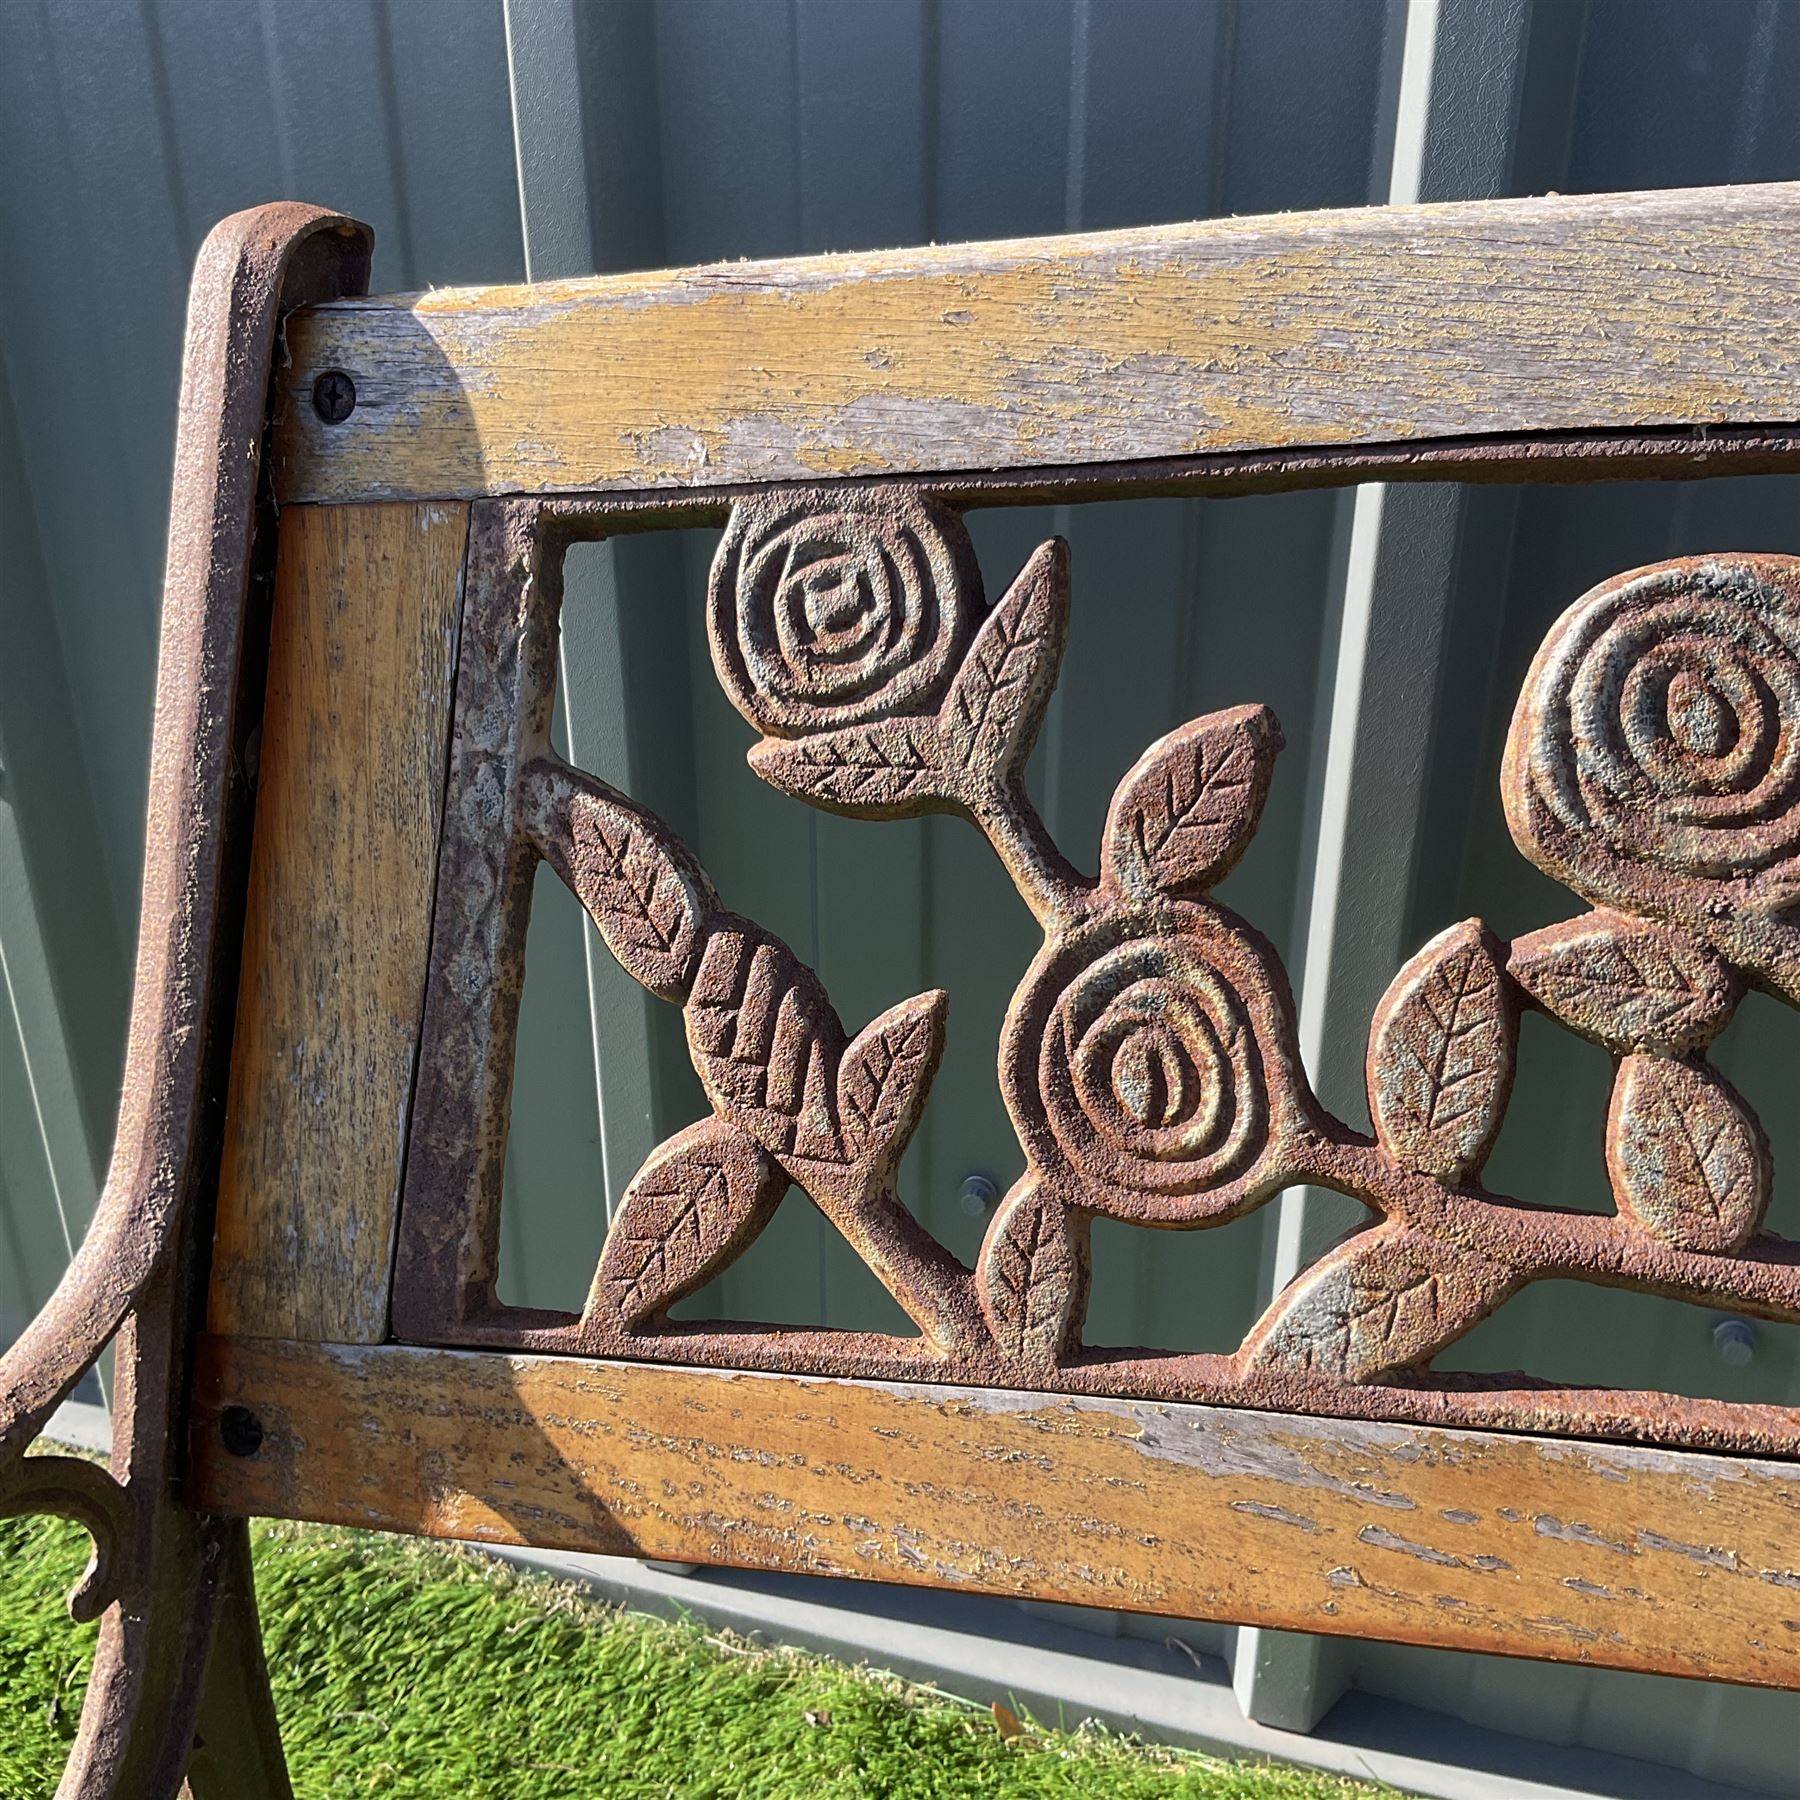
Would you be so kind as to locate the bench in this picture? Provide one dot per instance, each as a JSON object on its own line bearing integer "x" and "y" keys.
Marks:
{"x": 353, "y": 787}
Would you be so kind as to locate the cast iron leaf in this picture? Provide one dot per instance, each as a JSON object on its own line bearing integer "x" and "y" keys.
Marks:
{"x": 1441, "y": 1054}
{"x": 1688, "y": 1160}
{"x": 765, "y": 1041}
{"x": 645, "y": 911}
{"x": 1187, "y": 809}
{"x": 884, "y": 770}
{"x": 1031, "y": 1275}
{"x": 697, "y": 1203}
{"x": 647, "y": 896}
{"x": 1626, "y": 983}
{"x": 885, "y": 1078}
{"x": 989, "y": 719}
{"x": 1390, "y": 1298}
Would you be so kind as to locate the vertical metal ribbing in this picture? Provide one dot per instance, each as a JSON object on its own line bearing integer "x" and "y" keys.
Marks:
{"x": 33, "y": 1009}
{"x": 61, "y": 960}
{"x": 543, "y": 72}
{"x": 1454, "y": 122}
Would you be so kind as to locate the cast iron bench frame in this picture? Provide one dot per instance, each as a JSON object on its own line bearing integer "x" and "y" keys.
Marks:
{"x": 295, "y": 1249}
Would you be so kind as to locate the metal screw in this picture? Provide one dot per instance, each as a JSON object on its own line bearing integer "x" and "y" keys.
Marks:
{"x": 1735, "y": 1341}
{"x": 976, "y": 1195}
{"x": 334, "y": 396}
{"x": 240, "y": 1430}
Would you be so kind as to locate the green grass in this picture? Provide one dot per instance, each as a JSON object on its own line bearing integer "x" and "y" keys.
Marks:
{"x": 415, "y": 1673}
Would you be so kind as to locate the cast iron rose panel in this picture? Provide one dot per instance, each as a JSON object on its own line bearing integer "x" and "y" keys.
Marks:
{"x": 1149, "y": 1058}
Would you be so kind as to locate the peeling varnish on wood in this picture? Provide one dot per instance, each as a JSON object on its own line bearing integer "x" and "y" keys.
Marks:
{"x": 1338, "y": 1526}
{"x": 1358, "y": 327}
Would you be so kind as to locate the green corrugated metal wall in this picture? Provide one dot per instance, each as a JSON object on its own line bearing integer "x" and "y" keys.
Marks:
{"x": 703, "y": 129}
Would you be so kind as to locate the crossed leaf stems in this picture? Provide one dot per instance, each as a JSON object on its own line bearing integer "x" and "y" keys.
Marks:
{"x": 795, "y": 1100}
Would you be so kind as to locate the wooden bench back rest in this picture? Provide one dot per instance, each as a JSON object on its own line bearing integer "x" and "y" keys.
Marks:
{"x": 434, "y": 455}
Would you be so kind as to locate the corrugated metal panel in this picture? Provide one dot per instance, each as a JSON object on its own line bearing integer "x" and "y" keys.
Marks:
{"x": 699, "y": 129}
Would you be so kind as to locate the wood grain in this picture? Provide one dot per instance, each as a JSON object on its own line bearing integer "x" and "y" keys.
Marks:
{"x": 1395, "y": 325}
{"x": 1622, "y": 1557}
{"x": 354, "y": 743}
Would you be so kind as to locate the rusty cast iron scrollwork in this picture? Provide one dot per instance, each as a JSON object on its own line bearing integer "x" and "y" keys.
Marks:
{"x": 1149, "y": 1060}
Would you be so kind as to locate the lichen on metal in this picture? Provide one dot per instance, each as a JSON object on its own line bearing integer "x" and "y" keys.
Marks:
{"x": 1149, "y": 1060}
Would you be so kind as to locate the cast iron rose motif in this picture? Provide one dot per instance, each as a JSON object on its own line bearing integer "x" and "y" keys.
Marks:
{"x": 1654, "y": 759}
{"x": 1131, "y": 1059}
{"x": 1150, "y": 1049}
{"x": 1654, "y": 767}
{"x": 1160, "y": 1063}
{"x": 1150, "y": 1060}
{"x": 823, "y": 615}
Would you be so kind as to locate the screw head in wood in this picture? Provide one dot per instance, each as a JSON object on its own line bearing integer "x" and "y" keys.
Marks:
{"x": 334, "y": 396}
{"x": 240, "y": 1430}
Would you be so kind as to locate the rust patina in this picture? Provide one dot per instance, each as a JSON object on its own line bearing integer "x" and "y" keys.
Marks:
{"x": 1149, "y": 1060}
{"x": 168, "y": 1583}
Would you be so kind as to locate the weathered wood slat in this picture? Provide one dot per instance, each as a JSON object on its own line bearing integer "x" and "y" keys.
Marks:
{"x": 1410, "y": 325}
{"x": 354, "y": 741}
{"x": 1625, "y": 1557}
